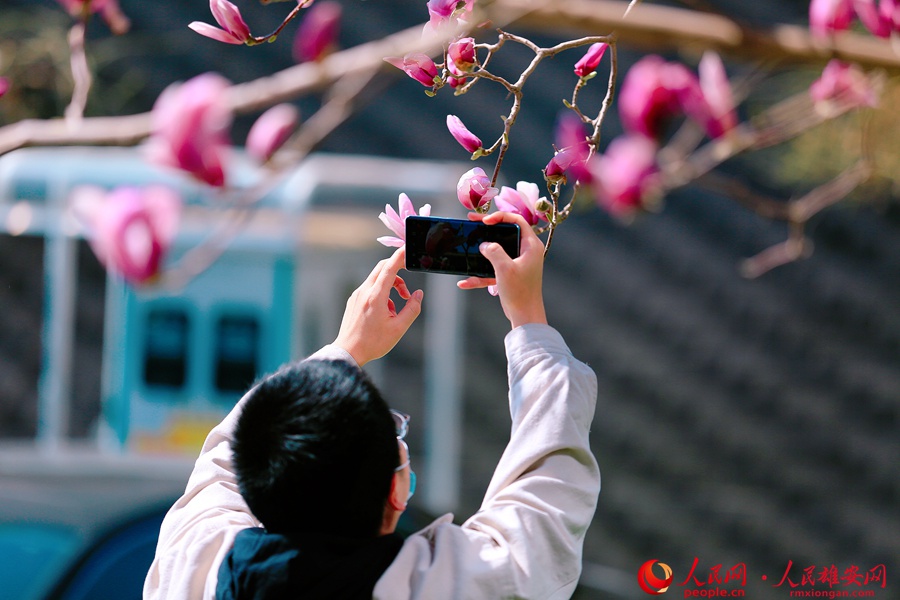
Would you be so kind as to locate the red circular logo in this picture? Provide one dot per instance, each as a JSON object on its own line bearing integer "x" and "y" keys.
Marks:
{"x": 649, "y": 582}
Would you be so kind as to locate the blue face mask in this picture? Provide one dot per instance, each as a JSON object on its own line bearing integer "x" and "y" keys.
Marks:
{"x": 412, "y": 484}
{"x": 401, "y": 423}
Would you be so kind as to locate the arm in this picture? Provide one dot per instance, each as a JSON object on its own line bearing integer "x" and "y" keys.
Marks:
{"x": 519, "y": 281}
{"x": 526, "y": 540}
{"x": 543, "y": 494}
{"x": 371, "y": 325}
{"x": 200, "y": 528}
{"x": 544, "y": 491}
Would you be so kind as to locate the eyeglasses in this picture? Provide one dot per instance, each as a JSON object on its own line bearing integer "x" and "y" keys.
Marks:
{"x": 401, "y": 425}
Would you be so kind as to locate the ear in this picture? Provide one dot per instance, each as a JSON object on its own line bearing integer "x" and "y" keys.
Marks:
{"x": 397, "y": 497}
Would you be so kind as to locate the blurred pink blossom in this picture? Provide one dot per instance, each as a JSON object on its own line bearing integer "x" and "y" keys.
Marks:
{"x": 418, "y": 66}
{"x": 653, "y": 91}
{"x": 271, "y": 130}
{"x": 443, "y": 12}
{"x": 191, "y": 121}
{"x": 625, "y": 176}
{"x": 843, "y": 82}
{"x": 131, "y": 229}
{"x": 588, "y": 63}
{"x": 234, "y": 29}
{"x": 521, "y": 201}
{"x": 461, "y": 134}
{"x": 879, "y": 20}
{"x": 4, "y": 86}
{"x": 890, "y": 10}
{"x": 717, "y": 94}
{"x": 396, "y": 222}
{"x": 318, "y": 32}
{"x": 115, "y": 19}
{"x": 74, "y": 7}
{"x": 571, "y": 138}
{"x": 569, "y": 131}
{"x": 109, "y": 9}
{"x": 474, "y": 190}
{"x": 828, "y": 16}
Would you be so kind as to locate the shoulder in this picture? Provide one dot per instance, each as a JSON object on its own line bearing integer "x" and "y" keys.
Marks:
{"x": 449, "y": 557}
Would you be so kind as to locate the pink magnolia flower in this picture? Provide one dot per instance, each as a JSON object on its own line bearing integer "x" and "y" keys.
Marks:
{"x": 234, "y": 29}
{"x": 271, "y": 130}
{"x": 443, "y": 12}
{"x": 843, "y": 82}
{"x": 717, "y": 95}
{"x": 4, "y": 86}
{"x": 418, "y": 66}
{"x": 455, "y": 81}
{"x": 190, "y": 128}
{"x": 396, "y": 222}
{"x": 455, "y": 76}
{"x": 318, "y": 32}
{"x": 131, "y": 228}
{"x": 588, "y": 63}
{"x": 474, "y": 190}
{"x": 652, "y": 92}
{"x": 626, "y": 174}
{"x": 461, "y": 134}
{"x": 571, "y": 160}
{"x": 461, "y": 60}
{"x": 462, "y": 54}
{"x": 828, "y": 16}
{"x": 523, "y": 201}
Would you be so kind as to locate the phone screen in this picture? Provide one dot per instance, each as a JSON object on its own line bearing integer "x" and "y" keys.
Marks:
{"x": 440, "y": 245}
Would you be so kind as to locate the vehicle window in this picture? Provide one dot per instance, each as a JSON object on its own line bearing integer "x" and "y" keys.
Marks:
{"x": 166, "y": 348}
{"x": 33, "y": 556}
{"x": 237, "y": 352}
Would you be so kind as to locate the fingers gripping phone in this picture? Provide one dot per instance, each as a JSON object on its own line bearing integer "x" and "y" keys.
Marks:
{"x": 440, "y": 245}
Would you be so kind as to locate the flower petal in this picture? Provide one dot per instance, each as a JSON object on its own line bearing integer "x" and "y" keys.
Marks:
{"x": 271, "y": 130}
{"x": 390, "y": 241}
{"x": 220, "y": 35}
{"x": 392, "y": 220}
{"x": 461, "y": 134}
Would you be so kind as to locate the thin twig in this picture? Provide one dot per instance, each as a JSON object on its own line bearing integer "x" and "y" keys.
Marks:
{"x": 81, "y": 74}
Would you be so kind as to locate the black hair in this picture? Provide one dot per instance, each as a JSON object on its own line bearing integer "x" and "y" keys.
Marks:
{"x": 315, "y": 450}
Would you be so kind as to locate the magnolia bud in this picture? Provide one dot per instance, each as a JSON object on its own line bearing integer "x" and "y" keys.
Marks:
{"x": 543, "y": 206}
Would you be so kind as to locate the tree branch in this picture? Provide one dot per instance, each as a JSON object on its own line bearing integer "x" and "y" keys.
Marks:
{"x": 648, "y": 26}
{"x": 651, "y": 26}
{"x": 253, "y": 96}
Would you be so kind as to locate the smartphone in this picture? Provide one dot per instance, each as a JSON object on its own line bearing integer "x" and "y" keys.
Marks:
{"x": 439, "y": 245}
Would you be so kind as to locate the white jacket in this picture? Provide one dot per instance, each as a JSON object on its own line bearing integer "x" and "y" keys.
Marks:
{"x": 524, "y": 542}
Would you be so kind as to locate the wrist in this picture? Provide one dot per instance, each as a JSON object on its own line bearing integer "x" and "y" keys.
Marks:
{"x": 536, "y": 315}
{"x": 352, "y": 349}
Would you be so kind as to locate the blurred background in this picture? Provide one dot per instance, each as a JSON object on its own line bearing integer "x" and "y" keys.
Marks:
{"x": 739, "y": 422}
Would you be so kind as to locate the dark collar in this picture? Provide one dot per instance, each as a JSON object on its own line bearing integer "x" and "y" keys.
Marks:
{"x": 263, "y": 565}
